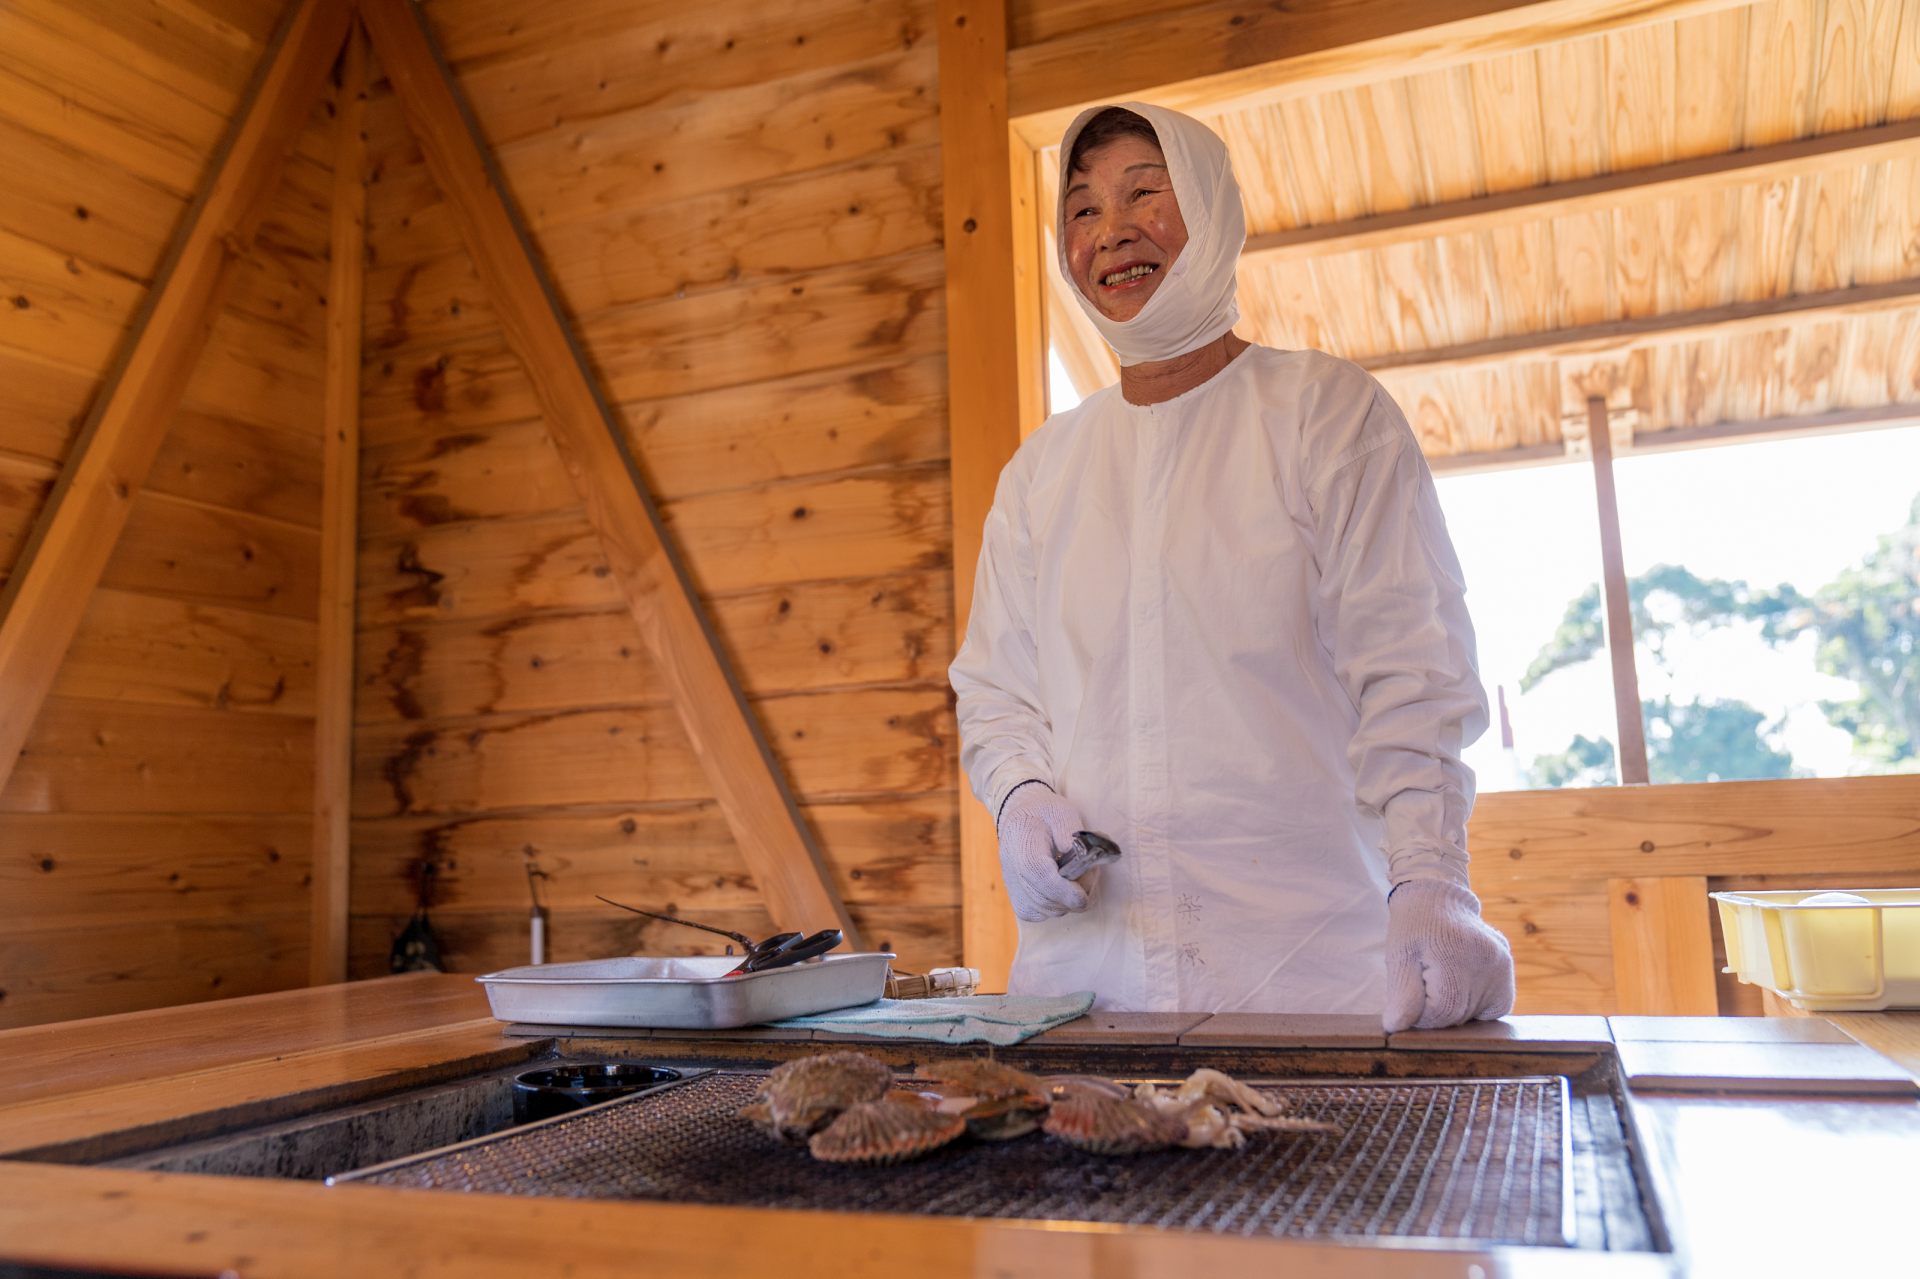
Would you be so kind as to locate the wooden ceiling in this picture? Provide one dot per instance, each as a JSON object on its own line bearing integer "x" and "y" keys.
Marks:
{"x": 1714, "y": 222}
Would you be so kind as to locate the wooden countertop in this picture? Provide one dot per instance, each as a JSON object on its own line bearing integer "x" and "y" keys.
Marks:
{"x": 79, "y": 1079}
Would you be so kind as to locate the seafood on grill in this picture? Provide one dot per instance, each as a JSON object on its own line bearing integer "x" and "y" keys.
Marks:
{"x": 802, "y": 1096}
{"x": 897, "y": 1127}
{"x": 1113, "y": 1125}
{"x": 843, "y": 1107}
{"x": 1218, "y": 1110}
{"x": 997, "y": 1101}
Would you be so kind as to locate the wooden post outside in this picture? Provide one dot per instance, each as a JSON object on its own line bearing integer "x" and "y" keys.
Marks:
{"x": 339, "y": 525}
{"x": 780, "y": 852}
{"x": 996, "y": 369}
{"x": 55, "y": 575}
{"x": 1662, "y": 946}
{"x": 1626, "y": 680}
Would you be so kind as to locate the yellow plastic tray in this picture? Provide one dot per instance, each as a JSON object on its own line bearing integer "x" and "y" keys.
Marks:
{"x": 1827, "y": 956}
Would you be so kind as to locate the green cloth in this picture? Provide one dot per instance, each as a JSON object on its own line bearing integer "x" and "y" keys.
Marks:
{"x": 972, "y": 1019}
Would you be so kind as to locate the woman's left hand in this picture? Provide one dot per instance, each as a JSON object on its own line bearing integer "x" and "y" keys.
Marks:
{"x": 1445, "y": 966}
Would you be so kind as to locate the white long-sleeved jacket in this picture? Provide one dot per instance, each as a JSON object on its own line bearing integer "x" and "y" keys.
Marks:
{"x": 1231, "y": 628}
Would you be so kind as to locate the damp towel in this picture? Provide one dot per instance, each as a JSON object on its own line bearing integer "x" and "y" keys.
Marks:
{"x": 970, "y": 1019}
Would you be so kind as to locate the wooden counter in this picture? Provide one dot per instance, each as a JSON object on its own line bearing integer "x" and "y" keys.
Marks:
{"x": 1723, "y": 1159}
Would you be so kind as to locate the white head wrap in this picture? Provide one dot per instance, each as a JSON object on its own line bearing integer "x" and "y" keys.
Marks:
{"x": 1194, "y": 304}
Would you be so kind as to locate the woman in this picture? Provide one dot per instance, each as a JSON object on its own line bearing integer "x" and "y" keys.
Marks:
{"x": 1217, "y": 618}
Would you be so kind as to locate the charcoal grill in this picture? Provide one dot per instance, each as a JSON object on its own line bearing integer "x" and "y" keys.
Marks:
{"x": 1481, "y": 1160}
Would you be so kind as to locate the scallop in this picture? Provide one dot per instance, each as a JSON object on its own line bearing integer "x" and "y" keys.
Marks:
{"x": 1113, "y": 1125}
{"x": 802, "y": 1096}
{"x": 888, "y": 1131}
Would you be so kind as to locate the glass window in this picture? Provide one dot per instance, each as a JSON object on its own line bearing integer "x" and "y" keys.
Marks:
{"x": 1060, "y": 393}
{"x": 1774, "y": 586}
{"x": 1529, "y": 545}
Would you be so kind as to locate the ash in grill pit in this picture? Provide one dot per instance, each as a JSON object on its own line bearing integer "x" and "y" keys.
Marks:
{"x": 1477, "y": 1159}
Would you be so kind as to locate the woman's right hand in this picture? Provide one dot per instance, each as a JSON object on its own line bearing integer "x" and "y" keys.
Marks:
{"x": 1035, "y": 823}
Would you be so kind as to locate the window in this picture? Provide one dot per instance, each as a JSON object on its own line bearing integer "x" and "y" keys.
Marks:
{"x": 1774, "y": 586}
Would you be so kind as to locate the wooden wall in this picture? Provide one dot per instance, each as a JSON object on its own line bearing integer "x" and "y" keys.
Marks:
{"x": 741, "y": 209}
{"x": 154, "y": 835}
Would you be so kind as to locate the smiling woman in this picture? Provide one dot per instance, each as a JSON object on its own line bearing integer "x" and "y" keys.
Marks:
{"x": 1216, "y": 618}
{"x": 1122, "y": 223}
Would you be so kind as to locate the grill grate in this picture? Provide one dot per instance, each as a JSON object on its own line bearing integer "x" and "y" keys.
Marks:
{"x": 1476, "y": 1159}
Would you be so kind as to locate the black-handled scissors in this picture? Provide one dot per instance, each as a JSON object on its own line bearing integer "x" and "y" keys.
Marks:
{"x": 776, "y": 951}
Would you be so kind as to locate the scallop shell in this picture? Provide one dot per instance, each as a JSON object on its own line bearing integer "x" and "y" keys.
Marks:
{"x": 802, "y": 1096}
{"x": 888, "y": 1131}
{"x": 988, "y": 1080}
{"x": 1113, "y": 1125}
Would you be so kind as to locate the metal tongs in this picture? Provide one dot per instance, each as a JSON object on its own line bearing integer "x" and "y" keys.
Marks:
{"x": 1089, "y": 849}
{"x": 777, "y": 951}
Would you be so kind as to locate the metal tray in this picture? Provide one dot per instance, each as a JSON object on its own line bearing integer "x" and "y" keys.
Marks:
{"x": 684, "y": 992}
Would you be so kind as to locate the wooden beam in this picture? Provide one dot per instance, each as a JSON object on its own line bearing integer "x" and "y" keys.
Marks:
{"x": 1626, "y": 681}
{"x": 1662, "y": 946}
{"x": 339, "y": 524}
{"x": 996, "y": 369}
{"x": 47, "y": 592}
{"x": 733, "y": 751}
{"x": 1233, "y": 54}
{"x": 1832, "y": 422}
{"x": 1852, "y": 149}
{"x": 1616, "y": 336}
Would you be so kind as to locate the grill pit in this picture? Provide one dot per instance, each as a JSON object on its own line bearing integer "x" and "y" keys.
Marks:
{"x": 1482, "y": 1160}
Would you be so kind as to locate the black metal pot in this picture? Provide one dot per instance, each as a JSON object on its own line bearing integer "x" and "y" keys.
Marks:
{"x": 555, "y": 1090}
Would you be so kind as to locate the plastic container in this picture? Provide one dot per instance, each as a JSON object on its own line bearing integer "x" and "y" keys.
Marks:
{"x": 689, "y": 992}
{"x": 1827, "y": 950}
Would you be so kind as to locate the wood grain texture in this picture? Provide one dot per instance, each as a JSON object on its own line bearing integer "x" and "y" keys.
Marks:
{"x": 831, "y": 634}
{"x": 1240, "y": 52}
{"x": 123, "y": 757}
{"x": 45, "y": 595}
{"x": 57, "y": 974}
{"x": 995, "y": 363}
{"x": 843, "y": 743}
{"x": 339, "y": 528}
{"x": 162, "y": 651}
{"x": 1662, "y": 946}
{"x": 888, "y": 851}
{"x": 1542, "y": 861}
{"x": 737, "y": 759}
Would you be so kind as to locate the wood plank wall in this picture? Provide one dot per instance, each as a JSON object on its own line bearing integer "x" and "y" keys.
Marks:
{"x": 154, "y": 835}
{"x": 741, "y": 209}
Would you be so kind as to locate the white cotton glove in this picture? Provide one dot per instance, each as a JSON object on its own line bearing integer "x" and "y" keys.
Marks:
{"x": 1445, "y": 966}
{"x": 1034, "y": 823}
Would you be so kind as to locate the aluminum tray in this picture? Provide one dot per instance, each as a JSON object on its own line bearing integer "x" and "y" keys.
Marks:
{"x": 686, "y": 992}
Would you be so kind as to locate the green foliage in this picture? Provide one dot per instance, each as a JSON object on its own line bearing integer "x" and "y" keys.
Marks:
{"x": 1866, "y": 624}
{"x": 1710, "y": 741}
{"x": 1698, "y": 741}
{"x": 1587, "y": 761}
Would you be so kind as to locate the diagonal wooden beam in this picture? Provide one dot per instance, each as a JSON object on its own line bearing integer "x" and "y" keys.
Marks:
{"x": 1232, "y": 54}
{"x": 1851, "y": 149}
{"x": 739, "y": 764}
{"x": 339, "y": 525}
{"x": 53, "y": 579}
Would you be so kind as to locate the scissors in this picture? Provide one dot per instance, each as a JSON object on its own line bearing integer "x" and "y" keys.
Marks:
{"x": 777, "y": 951}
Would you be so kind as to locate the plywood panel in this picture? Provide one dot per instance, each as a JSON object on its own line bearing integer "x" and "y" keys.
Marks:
{"x": 87, "y": 756}
{"x": 727, "y": 138}
{"x": 215, "y": 556}
{"x": 75, "y": 871}
{"x": 865, "y": 631}
{"x": 862, "y": 525}
{"x": 476, "y": 942}
{"x": 840, "y": 743}
{"x": 822, "y": 320}
{"x": 162, "y": 651}
{"x": 887, "y": 852}
{"x": 817, "y": 219}
{"x": 89, "y": 972}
